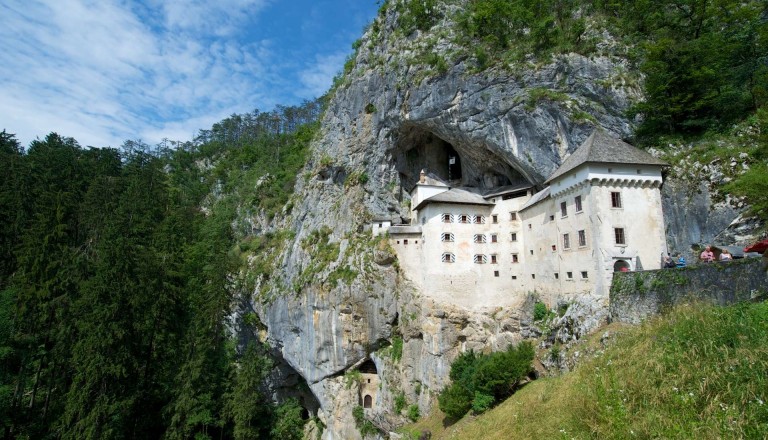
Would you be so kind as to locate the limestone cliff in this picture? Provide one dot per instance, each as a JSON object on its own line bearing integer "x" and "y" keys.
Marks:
{"x": 337, "y": 297}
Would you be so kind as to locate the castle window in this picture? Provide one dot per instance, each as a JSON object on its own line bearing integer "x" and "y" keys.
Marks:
{"x": 480, "y": 259}
{"x": 533, "y": 276}
{"x": 463, "y": 218}
{"x": 448, "y": 258}
{"x": 495, "y": 218}
{"x": 515, "y": 258}
{"x": 405, "y": 241}
{"x": 584, "y": 275}
{"x": 479, "y": 238}
{"x": 512, "y": 216}
{"x": 531, "y": 251}
{"x": 554, "y": 248}
{"x": 514, "y": 277}
{"x": 367, "y": 401}
{"x": 447, "y": 236}
{"x": 577, "y": 201}
{"x": 615, "y": 199}
{"x": 447, "y": 218}
{"x": 494, "y": 238}
{"x": 619, "y": 235}
{"x": 566, "y": 241}
{"x": 582, "y": 238}
{"x": 557, "y": 276}
{"x": 569, "y": 275}
{"x": 529, "y": 226}
{"x": 494, "y": 259}
{"x": 563, "y": 209}
{"x": 398, "y": 241}
{"x": 479, "y": 219}
{"x": 496, "y": 273}
{"x": 552, "y": 218}
{"x": 513, "y": 236}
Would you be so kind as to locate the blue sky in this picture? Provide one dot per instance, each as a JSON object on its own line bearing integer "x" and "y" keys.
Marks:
{"x": 103, "y": 71}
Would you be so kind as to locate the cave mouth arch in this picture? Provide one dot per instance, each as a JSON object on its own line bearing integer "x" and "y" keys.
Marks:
{"x": 460, "y": 163}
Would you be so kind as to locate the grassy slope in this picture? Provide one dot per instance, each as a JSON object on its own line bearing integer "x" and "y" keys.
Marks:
{"x": 698, "y": 372}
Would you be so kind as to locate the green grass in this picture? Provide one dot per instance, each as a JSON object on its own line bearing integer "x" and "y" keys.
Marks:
{"x": 699, "y": 372}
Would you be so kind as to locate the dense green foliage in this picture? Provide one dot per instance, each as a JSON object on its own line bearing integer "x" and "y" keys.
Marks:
{"x": 116, "y": 287}
{"x": 479, "y": 381}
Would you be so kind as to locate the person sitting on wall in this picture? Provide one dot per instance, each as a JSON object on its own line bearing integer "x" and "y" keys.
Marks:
{"x": 707, "y": 256}
{"x": 668, "y": 262}
{"x": 680, "y": 260}
{"x": 725, "y": 255}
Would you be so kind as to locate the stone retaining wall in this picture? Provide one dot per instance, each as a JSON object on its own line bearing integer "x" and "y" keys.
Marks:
{"x": 636, "y": 295}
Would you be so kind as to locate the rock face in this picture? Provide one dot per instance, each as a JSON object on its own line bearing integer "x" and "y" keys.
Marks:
{"x": 341, "y": 300}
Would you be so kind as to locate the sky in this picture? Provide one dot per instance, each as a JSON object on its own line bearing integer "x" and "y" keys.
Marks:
{"x": 106, "y": 71}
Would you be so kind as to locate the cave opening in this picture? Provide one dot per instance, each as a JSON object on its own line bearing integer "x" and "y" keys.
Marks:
{"x": 459, "y": 163}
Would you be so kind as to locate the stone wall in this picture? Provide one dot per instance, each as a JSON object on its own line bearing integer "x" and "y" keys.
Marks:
{"x": 637, "y": 295}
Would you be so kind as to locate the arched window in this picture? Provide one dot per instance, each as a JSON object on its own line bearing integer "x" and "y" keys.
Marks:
{"x": 449, "y": 258}
{"x": 620, "y": 266}
{"x": 367, "y": 401}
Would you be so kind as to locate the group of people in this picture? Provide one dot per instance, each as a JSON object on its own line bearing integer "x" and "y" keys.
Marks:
{"x": 706, "y": 256}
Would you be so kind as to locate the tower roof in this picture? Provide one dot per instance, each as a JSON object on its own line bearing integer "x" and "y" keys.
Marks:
{"x": 600, "y": 147}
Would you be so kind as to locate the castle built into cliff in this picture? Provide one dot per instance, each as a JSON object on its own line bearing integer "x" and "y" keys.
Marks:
{"x": 599, "y": 213}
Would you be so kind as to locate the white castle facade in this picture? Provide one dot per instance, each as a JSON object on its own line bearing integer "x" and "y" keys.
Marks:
{"x": 601, "y": 212}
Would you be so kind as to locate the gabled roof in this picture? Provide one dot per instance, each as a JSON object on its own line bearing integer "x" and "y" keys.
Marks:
{"x": 494, "y": 192}
{"x": 600, "y": 147}
{"x": 539, "y": 196}
{"x": 455, "y": 196}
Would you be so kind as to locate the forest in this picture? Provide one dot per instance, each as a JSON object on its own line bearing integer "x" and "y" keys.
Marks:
{"x": 116, "y": 283}
{"x": 119, "y": 267}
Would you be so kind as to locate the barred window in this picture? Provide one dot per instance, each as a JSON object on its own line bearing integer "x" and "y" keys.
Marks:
{"x": 479, "y": 238}
{"x": 480, "y": 259}
{"x": 615, "y": 200}
{"x": 449, "y": 258}
{"x": 447, "y": 236}
{"x": 619, "y": 235}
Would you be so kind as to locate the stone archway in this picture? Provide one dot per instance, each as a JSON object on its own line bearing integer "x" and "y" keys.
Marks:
{"x": 621, "y": 266}
{"x": 367, "y": 401}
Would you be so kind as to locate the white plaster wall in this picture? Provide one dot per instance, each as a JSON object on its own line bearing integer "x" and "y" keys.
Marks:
{"x": 641, "y": 173}
{"x": 410, "y": 256}
{"x": 380, "y": 227}
{"x": 422, "y": 192}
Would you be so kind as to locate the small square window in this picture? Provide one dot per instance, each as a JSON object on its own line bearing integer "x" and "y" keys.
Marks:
{"x": 533, "y": 276}
{"x": 398, "y": 241}
{"x": 552, "y": 217}
{"x": 494, "y": 238}
{"x": 447, "y": 218}
{"x": 480, "y": 259}
{"x": 479, "y": 238}
{"x": 514, "y": 277}
{"x": 557, "y": 275}
{"x": 569, "y": 275}
{"x": 493, "y": 259}
{"x": 554, "y": 248}
{"x": 513, "y": 236}
{"x": 513, "y": 216}
{"x": 515, "y": 258}
{"x": 531, "y": 251}
{"x": 448, "y": 258}
{"x": 447, "y": 236}
{"x": 584, "y": 275}
{"x": 529, "y": 226}
{"x": 496, "y": 273}
{"x": 495, "y": 218}
{"x": 405, "y": 241}
{"x": 416, "y": 242}
{"x": 463, "y": 218}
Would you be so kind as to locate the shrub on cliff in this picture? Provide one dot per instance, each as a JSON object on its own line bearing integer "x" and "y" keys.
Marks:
{"x": 480, "y": 381}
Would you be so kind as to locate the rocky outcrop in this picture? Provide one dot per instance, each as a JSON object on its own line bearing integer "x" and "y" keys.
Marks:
{"x": 336, "y": 297}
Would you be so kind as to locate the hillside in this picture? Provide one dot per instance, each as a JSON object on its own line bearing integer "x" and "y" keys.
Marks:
{"x": 696, "y": 372}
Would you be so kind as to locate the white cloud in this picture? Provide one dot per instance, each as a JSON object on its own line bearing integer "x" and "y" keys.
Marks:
{"x": 317, "y": 78}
